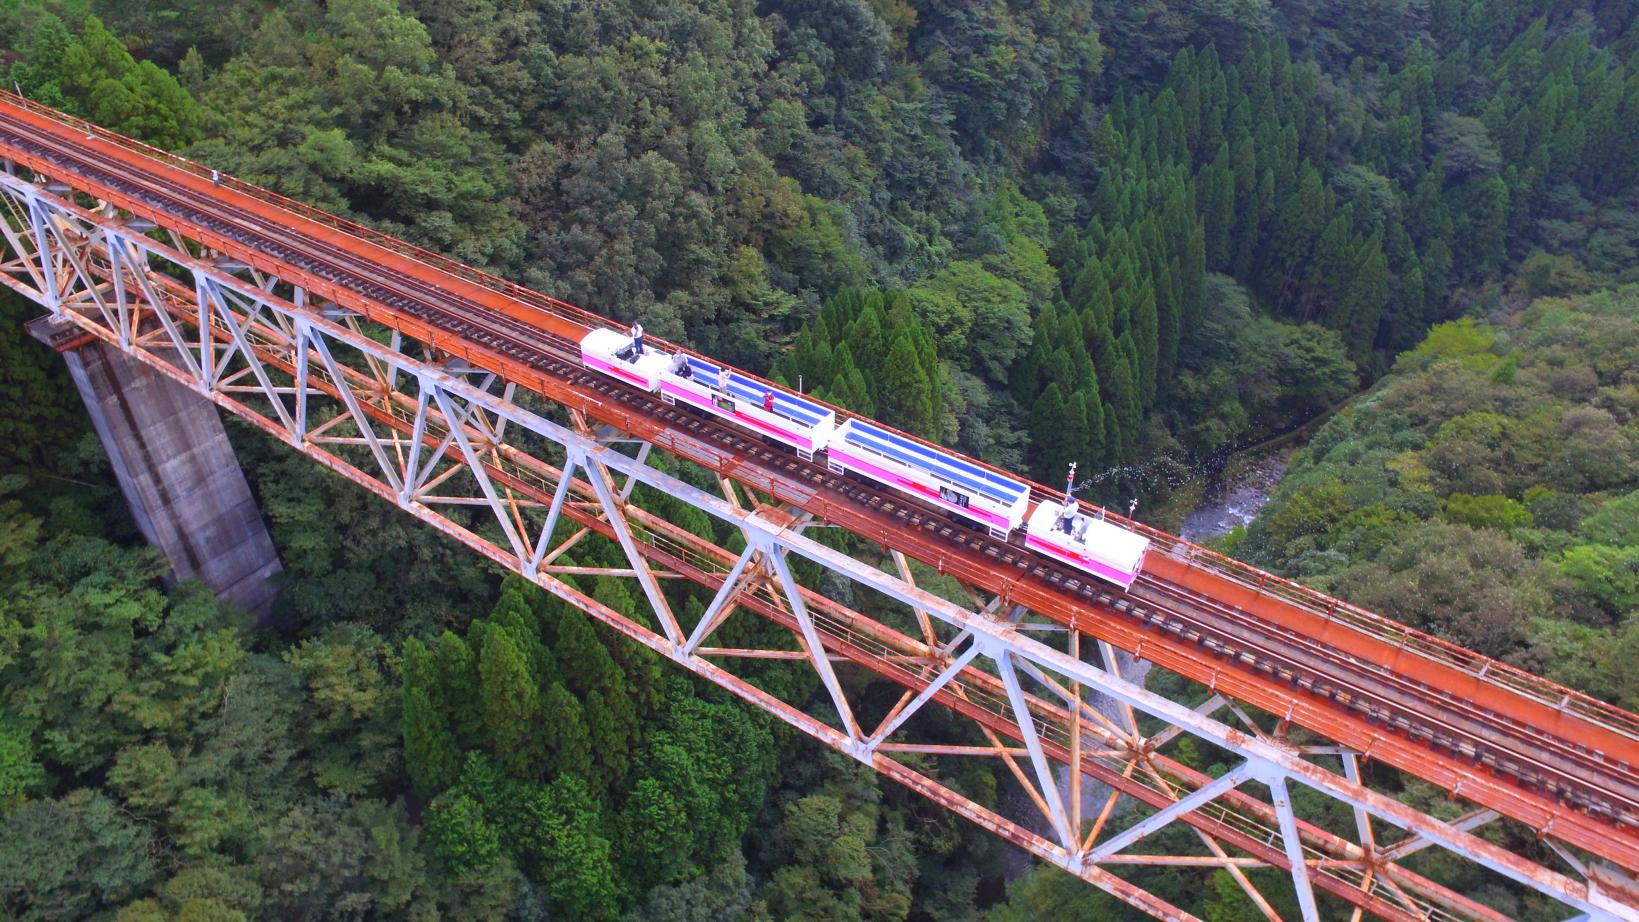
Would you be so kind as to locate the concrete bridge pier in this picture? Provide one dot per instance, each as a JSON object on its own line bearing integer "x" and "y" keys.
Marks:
{"x": 175, "y": 467}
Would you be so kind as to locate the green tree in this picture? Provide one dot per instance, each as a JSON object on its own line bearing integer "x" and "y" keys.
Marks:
{"x": 1123, "y": 391}
{"x": 1330, "y": 272}
{"x": 1084, "y": 421}
{"x": 1497, "y": 512}
{"x": 1360, "y": 308}
{"x": 976, "y": 313}
{"x": 1609, "y": 576}
{"x": 568, "y": 742}
{"x": 96, "y": 77}
{"x": 639, "y": 666}
{"x": 1298, "y": 224}
{"x": 716, "y": 762}
{"x": 1615, "y": 523}
{"x": 514, "y": 614}
{"x": 1051, "y": 450}
{"x": 461, "y": 835}
{"x": 461, "y": 687}
{"x": 656, "y": 839}
{"x": 906, "y": 391}
{"x": 573, "y": 859}
{"x": 431, "y": 756}
{"x": 326, "y": 853}
{"x": 73, "y": 857}
{"x": 21, "y": 773}
{"x": 513, "y": 712}
{"x": 352, "y": 724}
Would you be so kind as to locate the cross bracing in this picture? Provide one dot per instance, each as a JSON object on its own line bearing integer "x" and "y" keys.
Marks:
{"x": 519, "y": 479}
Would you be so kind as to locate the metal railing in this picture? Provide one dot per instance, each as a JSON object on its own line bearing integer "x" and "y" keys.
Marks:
{"x": 1310, "y": 600}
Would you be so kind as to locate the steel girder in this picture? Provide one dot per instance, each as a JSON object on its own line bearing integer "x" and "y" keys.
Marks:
{"x": 472, "y": 456}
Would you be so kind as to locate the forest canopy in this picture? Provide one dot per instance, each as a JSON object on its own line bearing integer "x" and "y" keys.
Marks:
{"x": 1054, "y": 192}
{"x": 1114, "y": 234}
{"x": 1487, "y": 491}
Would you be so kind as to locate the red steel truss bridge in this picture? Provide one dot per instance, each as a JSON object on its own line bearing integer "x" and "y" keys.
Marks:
{"x": 460, "y": 398}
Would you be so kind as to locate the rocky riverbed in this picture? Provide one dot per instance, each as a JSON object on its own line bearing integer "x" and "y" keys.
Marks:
{"x": 1235, "y": 496}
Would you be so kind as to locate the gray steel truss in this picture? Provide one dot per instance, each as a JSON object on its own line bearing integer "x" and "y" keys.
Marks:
{"x": 523, "y": 482}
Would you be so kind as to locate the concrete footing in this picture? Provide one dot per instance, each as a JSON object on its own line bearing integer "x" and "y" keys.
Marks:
{"x": 176, "y": 468}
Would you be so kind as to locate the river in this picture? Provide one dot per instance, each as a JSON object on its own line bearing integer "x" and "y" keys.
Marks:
{"x": 1235, "y": 495}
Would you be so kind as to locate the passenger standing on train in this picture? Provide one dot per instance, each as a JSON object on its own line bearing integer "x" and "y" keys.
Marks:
{"x": 637, "y": 339}
{"x": 768, "y": 401}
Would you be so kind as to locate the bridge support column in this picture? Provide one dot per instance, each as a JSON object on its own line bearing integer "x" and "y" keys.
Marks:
{"x": 175, "y": 467}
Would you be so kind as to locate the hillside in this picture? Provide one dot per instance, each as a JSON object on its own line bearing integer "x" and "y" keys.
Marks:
{"x": 1130, "y": 235}
{"x": 1486, "y": 490}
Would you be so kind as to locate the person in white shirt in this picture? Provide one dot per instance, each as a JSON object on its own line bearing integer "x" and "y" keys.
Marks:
{"x": 1067, "y": 518}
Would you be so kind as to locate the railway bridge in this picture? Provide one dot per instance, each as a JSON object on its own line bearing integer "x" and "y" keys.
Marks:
{"x": 460, "y": 398}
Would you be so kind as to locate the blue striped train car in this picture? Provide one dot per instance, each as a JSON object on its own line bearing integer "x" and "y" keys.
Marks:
{"x": 939, "y": 478}
{"x": 788, "y": 418}
{"x": 943, "y": 479}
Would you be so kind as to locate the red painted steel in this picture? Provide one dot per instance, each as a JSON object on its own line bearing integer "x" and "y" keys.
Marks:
{"x": 875, "y": 656}
{"x": 873, "y": 646}
{"x": 1227, "y": 588}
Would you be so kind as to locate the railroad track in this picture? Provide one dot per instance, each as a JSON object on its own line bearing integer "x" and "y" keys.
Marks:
{"x": 1536, "y": 761}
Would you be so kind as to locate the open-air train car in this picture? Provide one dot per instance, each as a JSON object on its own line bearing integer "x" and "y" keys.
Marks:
{"x": 611, "y": 353}
{"x": 1102, "y": 548}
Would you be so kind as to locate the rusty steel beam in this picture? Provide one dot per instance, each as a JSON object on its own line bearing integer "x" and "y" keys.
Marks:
{"x": 251, "y": 341}
{"x": 1539, "y": 811}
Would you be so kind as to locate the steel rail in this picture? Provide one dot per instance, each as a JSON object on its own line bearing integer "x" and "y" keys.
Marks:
{"x": 495, "y": 337}
{"x": 863, "y": 645}
{"x": 536, "y": 306}
{"x": 497, "y": 331}
{"x": 371, "y": 389}
{"x": 1208, "y": 563}
{"x": 440, "y": 295}
{"x": 1397, "y": 701}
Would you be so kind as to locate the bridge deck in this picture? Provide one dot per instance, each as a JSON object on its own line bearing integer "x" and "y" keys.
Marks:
{"x": 1499, "y": 737}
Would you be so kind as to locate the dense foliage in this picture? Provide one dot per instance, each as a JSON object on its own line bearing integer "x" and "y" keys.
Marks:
{"x": 1048, "y": 189}
{"x": 1487, "y": 491}
{"x": 154, "y": 761}
{"x": 1042, "y": 233}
